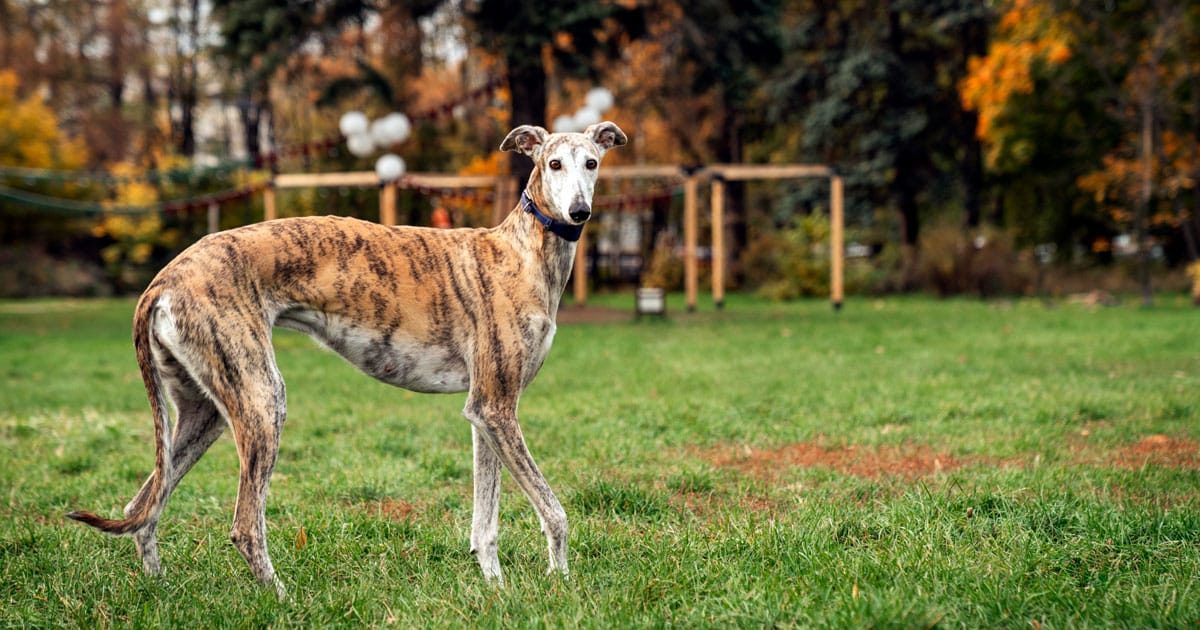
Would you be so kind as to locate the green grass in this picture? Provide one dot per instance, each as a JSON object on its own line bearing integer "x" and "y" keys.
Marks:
{"x": 1045, "y": 521}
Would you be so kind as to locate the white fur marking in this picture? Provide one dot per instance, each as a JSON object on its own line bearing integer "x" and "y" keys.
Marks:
{"x": 574, "y": 180}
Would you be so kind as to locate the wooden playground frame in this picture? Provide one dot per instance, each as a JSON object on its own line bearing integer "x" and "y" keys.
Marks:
{"x": 505, "y": 190}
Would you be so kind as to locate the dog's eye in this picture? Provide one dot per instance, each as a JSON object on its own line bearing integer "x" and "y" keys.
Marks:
{"x": 590, "y": 164}
{"x": 555, "y": 165}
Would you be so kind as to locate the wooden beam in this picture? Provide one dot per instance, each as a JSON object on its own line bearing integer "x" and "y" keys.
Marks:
{"x": 581, "y": 288}
{"x": 767, "y": 171}
{"x": 367, "y": 179}
{"x": 387, "y": 204}
{"x": 837, "y": 248}
{"x": 690, "y": 264}
{"x": 718, "y": 242}
{"x": 269, "y": 203}
{"x": 435, "y": 180}
{"x": 362, "y": 179}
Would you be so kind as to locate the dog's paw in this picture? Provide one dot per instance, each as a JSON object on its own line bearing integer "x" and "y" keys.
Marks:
{"x": 280, "y": 591}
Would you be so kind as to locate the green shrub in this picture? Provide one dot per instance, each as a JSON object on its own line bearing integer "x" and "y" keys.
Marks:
{"x": 29, "y": 272}
{"x": 790, "y": 263}
{"x": 983, "y": 261}
{"x": 665, "y": 269}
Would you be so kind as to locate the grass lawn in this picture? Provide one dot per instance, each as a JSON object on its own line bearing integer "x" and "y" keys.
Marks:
{"x": 906, "y": 462}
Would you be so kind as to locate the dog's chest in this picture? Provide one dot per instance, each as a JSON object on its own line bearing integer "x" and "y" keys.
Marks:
{"x": 539, "y": 337}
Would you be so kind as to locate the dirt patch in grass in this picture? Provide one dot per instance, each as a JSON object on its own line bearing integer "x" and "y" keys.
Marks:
{"x": 1159, "y": 450}
{"x": 594, "y": 315}
{"x": 394, "y": 509}
{"x": 909, "y": 461}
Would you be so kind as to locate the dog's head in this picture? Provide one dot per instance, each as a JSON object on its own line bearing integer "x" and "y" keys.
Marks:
{"x": 564, "y": 166}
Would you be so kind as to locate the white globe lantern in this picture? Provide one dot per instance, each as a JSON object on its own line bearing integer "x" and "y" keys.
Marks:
{"x": 600, "y": 99}
{"x": 391, "y": 129}
{"x": 389, "y": 167}
{"x": 398, "y": 127}
{"x": 584, "y": 117}
{"x": 360, "y": 144}
{"x": 563, "y": 124}
{"x": 353, "y": 124}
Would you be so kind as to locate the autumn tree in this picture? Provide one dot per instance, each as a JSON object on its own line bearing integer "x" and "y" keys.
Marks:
{"x": 724, "y": 50}
{"x": 871, "y": 89}
{"x": 570, "y": 35}
{"x": 1086, "y": 110}
{"x": 1141, "y": 52}
{"x": 85, "y": 56}
{"x": 1040, "y": 122}
{"x": 30, "y": 137}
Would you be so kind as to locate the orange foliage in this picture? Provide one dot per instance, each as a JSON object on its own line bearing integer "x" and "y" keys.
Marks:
{"x": 476, "y": 210}
{"x": 1029, "y": 33}
{"x": 1117, "y": 183}
{"x": 29, "y": 134}
{"x": 491, "y": 164}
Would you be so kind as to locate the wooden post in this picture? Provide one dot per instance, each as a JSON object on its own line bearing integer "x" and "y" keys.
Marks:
{"x": 837, "y": 248}
{"x": 387, "y": 204}
{"x": 506, "y": 198}
{"x": 214, "y": 217}
{"x": 718, "y": 242}
{"x": 690, "y": 271}
{"x": 269, "y": 202}
{"x": 498, "y": 201}
{"x": 581, "y": 289}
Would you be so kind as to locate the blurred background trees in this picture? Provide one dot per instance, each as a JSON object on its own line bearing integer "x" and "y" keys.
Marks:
{"x": 982, "y": 143}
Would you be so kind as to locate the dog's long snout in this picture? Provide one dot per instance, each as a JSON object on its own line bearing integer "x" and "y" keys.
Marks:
{"x": 579, "y": 211}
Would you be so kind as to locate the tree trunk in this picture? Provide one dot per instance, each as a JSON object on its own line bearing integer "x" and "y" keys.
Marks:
{"x": 527, "y": 85}
{"x": 187, "y": 91}
{"x": 115, "y": 29}
{"x": 974, "y": 43}
{"x": 910, "y": 230}
{"x": 972, "y": 172}
{"x": 7, "y": 22}
{"x": 729, "y": 151}
{"x": 150, "y": 137}
{"x": 1143, "y": 206}
{"x": 250, "y": 113}
{"x": 1193, "y": 226}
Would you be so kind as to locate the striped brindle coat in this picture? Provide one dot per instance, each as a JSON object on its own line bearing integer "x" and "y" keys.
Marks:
{"x": 424, "y": 309}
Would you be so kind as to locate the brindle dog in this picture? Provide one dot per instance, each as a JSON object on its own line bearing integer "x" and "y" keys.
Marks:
{"x": 425, "y": 309}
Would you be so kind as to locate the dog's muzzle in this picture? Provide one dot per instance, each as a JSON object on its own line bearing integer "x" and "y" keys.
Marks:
{"x": 579, "y": 212}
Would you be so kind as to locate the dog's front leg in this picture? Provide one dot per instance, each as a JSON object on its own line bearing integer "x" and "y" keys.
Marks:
{"x": 497, "y": 424}
{"x": 486, "y": 514}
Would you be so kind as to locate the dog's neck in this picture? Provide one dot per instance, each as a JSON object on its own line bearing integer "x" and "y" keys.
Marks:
{"x": 566, "y": 231}
{"x": 551, "y": 255}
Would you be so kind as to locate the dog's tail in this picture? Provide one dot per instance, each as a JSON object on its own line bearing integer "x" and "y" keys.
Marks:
{"x": 146, "y": 503}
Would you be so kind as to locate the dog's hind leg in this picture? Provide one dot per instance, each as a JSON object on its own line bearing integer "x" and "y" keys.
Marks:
{"x": 486, "y": 513}
{"x": 235, "y": 367}
{"x": 198, "y": 424}
{"x": 256, "y": 416}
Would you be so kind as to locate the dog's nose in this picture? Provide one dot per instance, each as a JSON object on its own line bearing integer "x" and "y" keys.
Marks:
{"x": 579, "y": 212}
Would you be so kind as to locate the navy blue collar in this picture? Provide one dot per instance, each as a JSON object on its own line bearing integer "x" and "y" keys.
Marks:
{"x": 565, "y": 231}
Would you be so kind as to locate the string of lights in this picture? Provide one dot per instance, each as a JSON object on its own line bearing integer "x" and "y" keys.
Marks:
{"x": 192, "y": 174}
{"x": 93, "y": 208}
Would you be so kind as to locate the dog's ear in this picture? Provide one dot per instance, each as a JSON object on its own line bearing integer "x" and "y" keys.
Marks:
{"x": 606, "y": 135}
{"x": 524, "y": 139}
